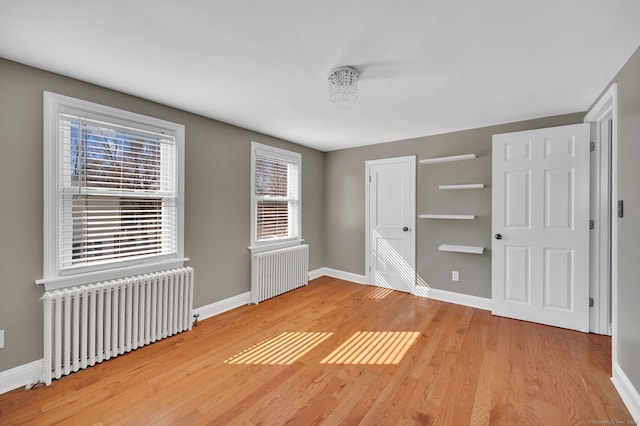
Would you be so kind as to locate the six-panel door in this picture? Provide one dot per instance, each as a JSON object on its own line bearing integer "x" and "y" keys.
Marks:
{"x": 540, "y": 224}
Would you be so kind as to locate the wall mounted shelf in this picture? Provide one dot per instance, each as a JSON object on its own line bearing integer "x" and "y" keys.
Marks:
{"x": 463, "y": 186}
{"x": 447, "y": 159}
{"x": 452, "y": 247}
{"x": 461, "y": 249}
{"x": 447, "y": 216}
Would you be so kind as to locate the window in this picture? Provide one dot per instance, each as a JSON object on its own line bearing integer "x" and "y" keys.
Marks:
{"x": 113, "y": 191}
{"x": 275, "y": 196}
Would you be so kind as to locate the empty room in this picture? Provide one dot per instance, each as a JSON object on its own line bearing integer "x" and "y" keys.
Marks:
{"x": 360, "y": 212}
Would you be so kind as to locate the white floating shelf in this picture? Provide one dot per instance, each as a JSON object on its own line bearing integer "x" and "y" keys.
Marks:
{"x": 463, "y": 186}
{"x": 447, "y": 216}
{"x": 461, "y": 249}
{"x": 446, "y": 159}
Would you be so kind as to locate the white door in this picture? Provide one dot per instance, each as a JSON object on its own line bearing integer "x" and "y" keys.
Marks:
{"x": 540, "y": 259}
{"x": 391, "y": 223}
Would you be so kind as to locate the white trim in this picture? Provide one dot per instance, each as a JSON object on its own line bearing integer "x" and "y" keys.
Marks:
{"x": 97, "y": 276}
{"x": 602, "y": 260}
{"x": 627, "y": 392}
{"x": 599, "y": 258}
{"x": 421, "y": 291}
{"x": 614, "y": 226}
{"x": 216, "y": 308}
{"x": 317, "y": 273}
{"x": 452, "y": 297}
{"x": 367, "y": 225}
{"x": 294, "y": 157}
{"x": 604, "y": 104}
{"x": 52, "y": 247}
{"x": 22, "y": 375}
{"x": 343, "y": 275}
{"x": 274, "y": 246}
{"x": 608, "y": 103}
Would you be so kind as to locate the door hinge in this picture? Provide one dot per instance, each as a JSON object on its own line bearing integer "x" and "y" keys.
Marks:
{"x": 592, "y": 146}
{"x": 620, "y": 208}
{"x": 592, "y": 224}
{"x": 369, "y": 178}
{"x": 591, "y": 302}
{"x": 369, "y": 268}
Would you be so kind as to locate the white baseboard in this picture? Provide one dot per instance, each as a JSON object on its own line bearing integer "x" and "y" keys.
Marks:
{"x": 452, "y": 297}
{"x": 317, "y": 273}
{"x": 627, "y": 391}
{"x": 22, "y": 375}
{"x": 431, "y": 293}
{"x": 221, "y": 306}
{"x": 342, "y": 275}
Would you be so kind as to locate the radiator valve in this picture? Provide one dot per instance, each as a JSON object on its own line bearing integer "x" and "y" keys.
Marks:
{"x": 195, "y": 321}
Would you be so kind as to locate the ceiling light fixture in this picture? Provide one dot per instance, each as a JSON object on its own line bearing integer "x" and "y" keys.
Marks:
{"x": 343, "y": 86}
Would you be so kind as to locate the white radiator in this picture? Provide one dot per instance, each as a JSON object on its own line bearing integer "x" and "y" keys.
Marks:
{"x": 278, "y": 271}
{"x": 88, "y": 324}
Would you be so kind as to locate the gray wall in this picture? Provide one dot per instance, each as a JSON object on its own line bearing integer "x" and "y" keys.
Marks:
{"x": 217, "y": 203}
{"x": 345, "y": 210}
{"x": 216, "y": 200}
{"x": 628, "y": 80}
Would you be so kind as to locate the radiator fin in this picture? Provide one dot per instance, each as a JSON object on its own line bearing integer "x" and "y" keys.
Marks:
{"x": 92, "y": 323}
{"x": 277, "y": 271}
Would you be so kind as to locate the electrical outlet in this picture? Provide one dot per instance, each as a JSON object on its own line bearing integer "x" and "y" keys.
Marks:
{"x": 1, "y": 339}
{"x": 455, "y": 276}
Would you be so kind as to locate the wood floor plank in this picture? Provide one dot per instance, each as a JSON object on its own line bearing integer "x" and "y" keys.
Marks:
{"x": 458, "y": 399}
{"x": 335, "y": 352}
{"x": 481, "y": 410}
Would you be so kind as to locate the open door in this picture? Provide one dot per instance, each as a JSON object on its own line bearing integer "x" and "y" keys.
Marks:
{"x": 540, "y": 224}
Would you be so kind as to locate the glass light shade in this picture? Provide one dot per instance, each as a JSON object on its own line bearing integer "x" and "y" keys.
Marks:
{"x": 343, "y": 86}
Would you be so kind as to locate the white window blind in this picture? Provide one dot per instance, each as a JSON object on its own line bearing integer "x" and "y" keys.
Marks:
{"x": 113, "y": 192}
{"x": 118, "y": 192}
{"x": 276, "y": 198}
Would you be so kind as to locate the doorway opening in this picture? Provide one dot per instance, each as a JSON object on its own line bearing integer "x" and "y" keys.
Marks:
{"x": 602, "y": 281}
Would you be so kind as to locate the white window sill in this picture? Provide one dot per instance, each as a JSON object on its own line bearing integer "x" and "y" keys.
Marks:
{"x": 274, "y": 246}
{"x": 56, "y": 283}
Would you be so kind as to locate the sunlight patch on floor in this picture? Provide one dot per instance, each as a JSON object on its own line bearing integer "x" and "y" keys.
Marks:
{"x": 283, "y": 349}
{"x": 379, "y": 293}
{"x": 373, "y": 347}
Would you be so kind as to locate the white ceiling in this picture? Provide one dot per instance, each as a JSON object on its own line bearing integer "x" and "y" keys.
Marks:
{"x": 427, "y": 66}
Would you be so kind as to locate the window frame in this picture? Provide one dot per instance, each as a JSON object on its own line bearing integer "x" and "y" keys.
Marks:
{"x": 53, "y": 276}
{"x": 272, "y": 244}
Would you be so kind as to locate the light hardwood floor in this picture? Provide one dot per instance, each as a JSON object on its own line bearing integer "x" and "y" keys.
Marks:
{"x": 342, "y": 353}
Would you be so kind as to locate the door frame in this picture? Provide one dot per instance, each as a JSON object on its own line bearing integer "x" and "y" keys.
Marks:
{"x": 603, "y": 260}
{"x": 412, "y": 207}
